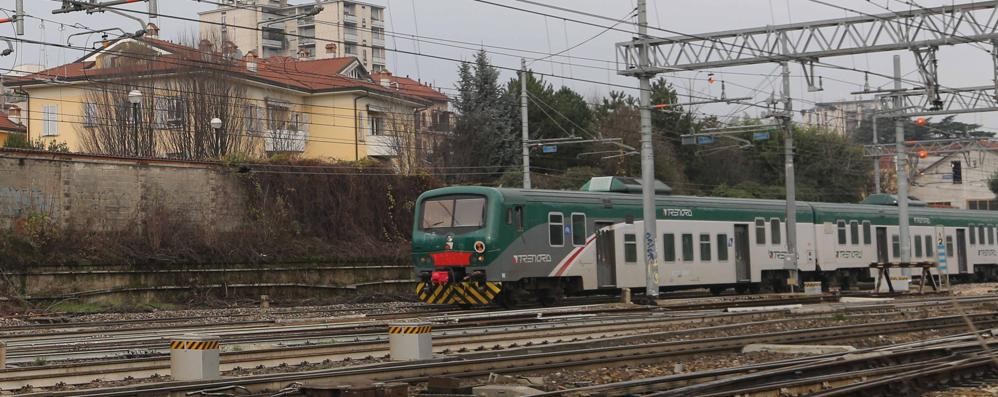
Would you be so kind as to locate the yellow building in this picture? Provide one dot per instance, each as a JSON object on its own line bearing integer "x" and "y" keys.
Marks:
{"x": 149, "y": 97}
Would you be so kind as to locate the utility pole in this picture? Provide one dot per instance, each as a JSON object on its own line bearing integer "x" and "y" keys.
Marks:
{"x": 790, "y": 262}
{"x": 647, "y": 159}
{"x": 902, "y": 171}
{"x": 876, "y": 161}
{"x": 19, "y": 24}
{"x": 525, "y": 125}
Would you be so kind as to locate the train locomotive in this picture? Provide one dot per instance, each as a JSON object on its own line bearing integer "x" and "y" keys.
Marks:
{"x": 476, "y": 245}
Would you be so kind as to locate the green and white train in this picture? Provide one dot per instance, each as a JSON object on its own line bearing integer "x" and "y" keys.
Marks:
{"x": 474, "y": 245}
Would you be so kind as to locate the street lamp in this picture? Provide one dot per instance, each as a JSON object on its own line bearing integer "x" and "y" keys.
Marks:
{"x": 135, "y": 97}
{"x": 216, "y": 124}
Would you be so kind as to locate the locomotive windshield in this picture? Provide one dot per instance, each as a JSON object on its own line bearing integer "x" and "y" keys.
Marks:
{"x": 453, "y": 212}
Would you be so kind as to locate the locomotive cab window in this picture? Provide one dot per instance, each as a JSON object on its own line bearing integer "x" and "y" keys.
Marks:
{"x": 579, "y": 231}
{"x": 556, "y": 227}
{"x": 518, "y": 218}
{"x": 454, "y": 213}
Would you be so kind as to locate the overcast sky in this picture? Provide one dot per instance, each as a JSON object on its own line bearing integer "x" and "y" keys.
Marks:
{"x": 476, "y": 24}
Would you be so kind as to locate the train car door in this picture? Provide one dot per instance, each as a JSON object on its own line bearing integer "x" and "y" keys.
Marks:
{"x": 882, "y": 256}
{"x": 961, "y": 249}
{"x": 606, "y": 267}
{"x": 743, "y": 257}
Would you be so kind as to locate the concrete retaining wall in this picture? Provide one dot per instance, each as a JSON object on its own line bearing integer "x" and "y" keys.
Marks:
{"x": 174, "y": 284}
{"x": 83, "y": 192}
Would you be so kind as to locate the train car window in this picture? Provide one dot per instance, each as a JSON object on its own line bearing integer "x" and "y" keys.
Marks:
{"x": 630, "y": 248}
{"x": 842, "y": 232}
{"x": 518, "y": 217}
{"x": 980, "y": 234}
{"x": 991, "y": 235}
{"x": 669, "y": 251}
{"x": 928, "y": 246}
{"x": 895, "y": 246}
{"x": 854, "y": 232}
{"x": 722, "y": 247}
{"x": 774, "y": 230}
{"x": 556, "y": 227}
{"x": 918, "y": 246}
{"x": 705, "y": 247}
{"x": 867, "y": 231}
{"x": 760, "y": 231}
{"x": 509, "y": 216}
{"x": 688, "y": 247}
{"x": 972, "y": 233}
{"x": 579, "y": 232}
{"x": 949, "y": 246}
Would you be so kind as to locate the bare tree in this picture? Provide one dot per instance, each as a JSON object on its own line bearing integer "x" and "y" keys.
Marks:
{"x": 405, "y": 139}
{"x": 175, "y": 114}
{"x": 113, "y": 125}
{"x": 190, "y": 101}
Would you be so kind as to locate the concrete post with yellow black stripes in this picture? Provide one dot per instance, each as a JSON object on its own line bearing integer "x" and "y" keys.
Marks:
{"x": 410, "y": 341}
{"x": 194, "y": 357}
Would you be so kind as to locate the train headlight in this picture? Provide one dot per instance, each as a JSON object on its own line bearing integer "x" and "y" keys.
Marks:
{"x": 480, "y": 246}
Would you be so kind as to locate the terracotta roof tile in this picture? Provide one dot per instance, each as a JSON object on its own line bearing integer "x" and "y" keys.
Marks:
{"x": 304, "y": 75}
{"x": 7, "y": 125}
{"x": 411, "y": 87}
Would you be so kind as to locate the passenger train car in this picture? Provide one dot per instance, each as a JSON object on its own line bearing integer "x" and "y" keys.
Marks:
{"x": 474, "y": 245}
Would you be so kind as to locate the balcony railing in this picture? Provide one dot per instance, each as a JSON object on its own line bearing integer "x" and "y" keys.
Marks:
{"x": 285, "y": 141}
{"x": 378, "y": 42}
{"x": 272, "y": 43}
{"x": 349, "y": 18}
{"x": 350, "y": 37}
{"x": 377, "y": 23}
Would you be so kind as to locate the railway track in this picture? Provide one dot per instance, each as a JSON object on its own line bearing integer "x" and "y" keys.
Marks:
{"x": 537, "y": 358}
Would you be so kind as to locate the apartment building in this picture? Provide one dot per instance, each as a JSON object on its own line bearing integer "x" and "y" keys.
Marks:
{"x": 842, "y": 117}
{"x": 277, "y": 28}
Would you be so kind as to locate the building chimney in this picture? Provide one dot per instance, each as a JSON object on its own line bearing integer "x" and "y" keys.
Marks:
{"x": 152, "y": 31}
{"x": 250, "y": 59}
{"x": 206, "y": 46}
{"x": 386, "y": 78}
{"x": 14, "y": 114}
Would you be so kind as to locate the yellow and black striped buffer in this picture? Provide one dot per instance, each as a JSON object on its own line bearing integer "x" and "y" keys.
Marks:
{"x": 405, "y": 329}
{"x": 194, "y": 345}
{"x": 463, "y": 293}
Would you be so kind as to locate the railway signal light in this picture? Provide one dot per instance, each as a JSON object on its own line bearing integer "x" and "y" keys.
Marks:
{"x": 922, "y": 153}
{"x": 921, "y": 121}
{"x": 957, "y": 168}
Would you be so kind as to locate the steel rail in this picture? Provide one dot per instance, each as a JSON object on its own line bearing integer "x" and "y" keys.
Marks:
{"x": 586, "y": 354}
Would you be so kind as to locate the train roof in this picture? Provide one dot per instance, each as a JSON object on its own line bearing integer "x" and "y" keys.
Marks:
{"x": 823, "y": 212}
